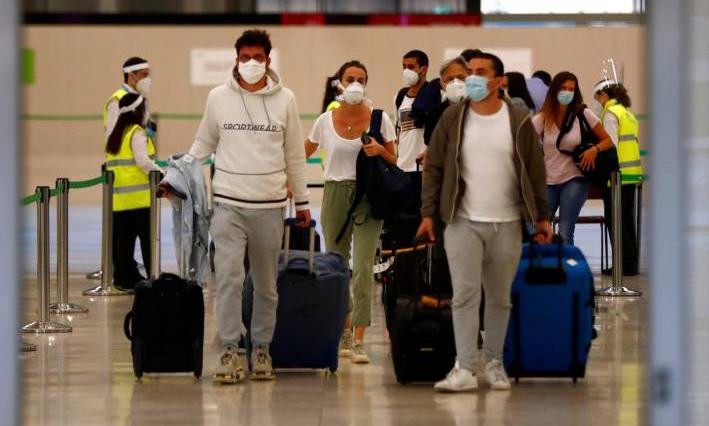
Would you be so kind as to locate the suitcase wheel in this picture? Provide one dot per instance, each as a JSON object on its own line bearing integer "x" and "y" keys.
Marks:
{"x": 197, "y": 375}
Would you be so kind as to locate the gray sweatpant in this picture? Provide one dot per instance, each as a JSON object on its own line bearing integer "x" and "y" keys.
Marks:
{"x": 481, "y": 255}
{"x": 235, "y": 231}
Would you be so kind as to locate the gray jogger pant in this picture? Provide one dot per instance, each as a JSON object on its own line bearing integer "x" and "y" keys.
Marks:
{"x": 481, "y": 255}
{"x": 235, "y": 231}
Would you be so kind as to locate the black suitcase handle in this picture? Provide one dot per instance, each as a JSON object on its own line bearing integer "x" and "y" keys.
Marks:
{"x": 538, "y": 274}
{"x": 126, "y": 325}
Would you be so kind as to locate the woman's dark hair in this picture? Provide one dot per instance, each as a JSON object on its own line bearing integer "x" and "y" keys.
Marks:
{"x": 254, "y": 38}
{"x": 331, "y": 92}
{"x": 517, "y": 88}
{"x": 551, "y": 106}
{"x": 349, "y": 64}
{"x": 618, "y": 92}
{"x": 129, "y": 118}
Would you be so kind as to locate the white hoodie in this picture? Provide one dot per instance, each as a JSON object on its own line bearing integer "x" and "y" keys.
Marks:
{"x": 258, "y": 142}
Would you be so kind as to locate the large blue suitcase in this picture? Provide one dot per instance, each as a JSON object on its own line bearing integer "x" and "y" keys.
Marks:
{"x": 551, "y": 323}
{"x": 313, "y": 300}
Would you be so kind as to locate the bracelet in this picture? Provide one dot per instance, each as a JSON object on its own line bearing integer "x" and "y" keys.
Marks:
{"x": 598, "y": 150}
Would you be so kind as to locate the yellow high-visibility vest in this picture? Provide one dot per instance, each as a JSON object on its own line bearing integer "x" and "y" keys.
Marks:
{"x": 131, "y": 185}
{"x": 628, "y": 147}
{"x": 117, "y": 96}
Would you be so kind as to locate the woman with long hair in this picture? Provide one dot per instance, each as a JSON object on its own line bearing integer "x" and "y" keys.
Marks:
{"x": 339, "y": 131}
{"x": 129, "y": 153}
{"x": 567, "y": 186}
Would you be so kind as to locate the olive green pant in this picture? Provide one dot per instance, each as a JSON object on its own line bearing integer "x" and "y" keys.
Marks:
{"x": 365, "y": 231}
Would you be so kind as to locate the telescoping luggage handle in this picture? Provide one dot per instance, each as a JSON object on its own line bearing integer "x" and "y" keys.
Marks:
{"x": 290, "y": 222}
{"x": 429, "y": 274}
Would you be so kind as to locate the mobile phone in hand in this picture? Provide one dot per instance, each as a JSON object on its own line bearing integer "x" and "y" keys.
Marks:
{"x": 365, "y": 138}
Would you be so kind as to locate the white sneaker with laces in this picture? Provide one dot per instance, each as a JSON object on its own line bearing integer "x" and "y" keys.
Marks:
{"x": 458, "y": 380}
{"x": 359, "y": 355}
{"x": 231, "y": 368}
{"x": 496, "y": 376}
{"x": 261, "y": 367}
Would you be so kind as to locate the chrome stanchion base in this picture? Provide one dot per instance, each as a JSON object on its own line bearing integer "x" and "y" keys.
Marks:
{"x": 110, "y": 291}
{"x": 94, "y": 275}
{"x": 28, "y": 347}
{"x": 619, "y": 291}
{"x": 67, "y": 308}
{"x": 39, "y": 327}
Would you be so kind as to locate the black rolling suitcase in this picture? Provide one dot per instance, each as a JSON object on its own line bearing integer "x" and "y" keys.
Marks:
{"x": 422, "y": 340}
{"x": 166, "y": 325}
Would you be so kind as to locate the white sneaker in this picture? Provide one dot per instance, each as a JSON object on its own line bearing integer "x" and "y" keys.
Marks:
{"x": 261, "y": 367}
{"x": 346, "y": 343}
{"x": 359, "y": 356}
{"x": 231, "y": 368}
{"x": 496, "y": 376}
{"x": 458, "y": 380}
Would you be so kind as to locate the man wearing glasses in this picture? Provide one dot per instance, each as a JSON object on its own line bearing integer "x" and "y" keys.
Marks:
{"x": 252, "y": 125}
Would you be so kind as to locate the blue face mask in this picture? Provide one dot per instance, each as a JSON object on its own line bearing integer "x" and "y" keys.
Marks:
{"x": 565, "y": 97}
{"x": 476, "y": 87}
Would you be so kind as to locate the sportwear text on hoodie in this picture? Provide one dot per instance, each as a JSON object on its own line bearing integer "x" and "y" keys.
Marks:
{"x": 258, "y": 141}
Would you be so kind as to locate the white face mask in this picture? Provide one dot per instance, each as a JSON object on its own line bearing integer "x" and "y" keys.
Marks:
{"x": 143, "y": 86}
{"x": 410, "y": 77}
{"x": 252, "y": 71}
{"x": 354, "y": 93}
{"x": 455, "y": 90}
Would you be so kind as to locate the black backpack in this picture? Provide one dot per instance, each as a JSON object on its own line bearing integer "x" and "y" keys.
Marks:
{"x": 387, "y": 187}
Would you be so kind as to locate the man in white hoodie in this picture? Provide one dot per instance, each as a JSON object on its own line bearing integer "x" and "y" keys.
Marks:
{"x": 252, "y": 124}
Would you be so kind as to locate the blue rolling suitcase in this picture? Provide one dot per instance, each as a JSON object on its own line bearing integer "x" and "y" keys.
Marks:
{"x": 313, "y": 300}
{"x": 551, "y": 323}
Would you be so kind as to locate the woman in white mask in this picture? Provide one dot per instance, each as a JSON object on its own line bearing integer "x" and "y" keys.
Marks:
{"x": 339, "y": 131}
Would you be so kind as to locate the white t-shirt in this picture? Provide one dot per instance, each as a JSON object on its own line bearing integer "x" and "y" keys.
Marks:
{"x": 560, "y": 167}
{"x": 341, "y": 154}
{"x": 410, "y": 138}
{"x": 487, "y": 166}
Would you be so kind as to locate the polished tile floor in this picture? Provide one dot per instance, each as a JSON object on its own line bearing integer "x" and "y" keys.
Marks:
{"x": 85, "y": 377}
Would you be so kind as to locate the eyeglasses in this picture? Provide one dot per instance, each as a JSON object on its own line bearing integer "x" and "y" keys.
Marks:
{"x": 243, "y": 58}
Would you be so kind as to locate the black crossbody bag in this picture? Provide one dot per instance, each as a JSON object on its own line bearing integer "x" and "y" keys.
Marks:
{"x": 606, "y": 161}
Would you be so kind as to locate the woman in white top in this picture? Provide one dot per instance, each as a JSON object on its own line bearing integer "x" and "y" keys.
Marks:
{"x": 568, "y": 188}
{"x": 339, "y": 132}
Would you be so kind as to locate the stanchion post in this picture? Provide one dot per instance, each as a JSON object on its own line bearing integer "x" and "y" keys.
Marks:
{"x": 106, "y": 288}
{"x": 617, "y": 288}
{"x": 43, "y": 325}
{"x": 154, "y": 225}
{"x": 62, "y": 306}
